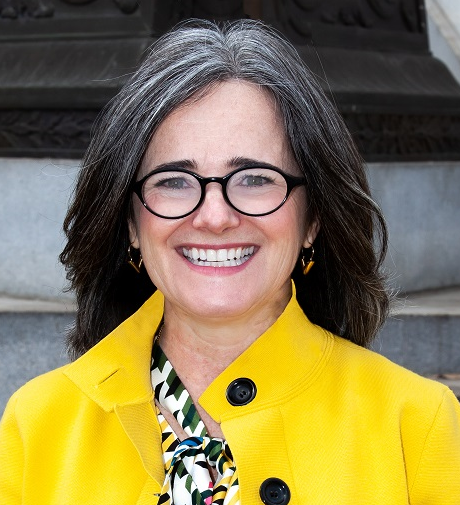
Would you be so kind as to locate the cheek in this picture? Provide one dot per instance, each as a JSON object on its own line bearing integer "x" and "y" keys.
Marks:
{"x": 143, "y": 220}
{"x": 154, "y": 233}
{"x": 148, "y": 234}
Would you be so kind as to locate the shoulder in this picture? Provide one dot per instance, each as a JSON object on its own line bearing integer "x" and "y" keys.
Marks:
{"x": 42, "y": 397}
{"x": 47, "y": 383}
{"x": 364, "y": 389}
{"x": 375, "y": 377}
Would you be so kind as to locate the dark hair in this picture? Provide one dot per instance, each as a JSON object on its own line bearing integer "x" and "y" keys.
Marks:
{"x": 343, "y": 293}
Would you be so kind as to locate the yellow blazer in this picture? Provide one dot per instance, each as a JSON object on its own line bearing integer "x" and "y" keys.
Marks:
{"x": 337, "y": 423}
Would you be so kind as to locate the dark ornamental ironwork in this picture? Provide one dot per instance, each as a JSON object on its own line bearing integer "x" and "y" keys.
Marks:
{"x": 383, "y": 137}
{"x": 15, "y": 9}
{"x": 45, "y": 132}
{"x": 404, "y": 15}
{"x": 62, "y": 60}
{"x": 36, "y": 9}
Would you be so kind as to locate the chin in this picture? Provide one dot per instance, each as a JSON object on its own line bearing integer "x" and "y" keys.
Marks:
{"x": 214, "y": 307}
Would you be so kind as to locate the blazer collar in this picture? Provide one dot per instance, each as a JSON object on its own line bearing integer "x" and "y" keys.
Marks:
{"x": 116, "y": 371}
{"x": 289, "y": 356}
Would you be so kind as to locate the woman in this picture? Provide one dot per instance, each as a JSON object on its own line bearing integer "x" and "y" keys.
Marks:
{"x": 222, "y": 189}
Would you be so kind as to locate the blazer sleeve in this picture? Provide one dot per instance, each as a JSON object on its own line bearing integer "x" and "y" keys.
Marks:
{"x": 437, "y": 480}
{"x": 11, "y": 457}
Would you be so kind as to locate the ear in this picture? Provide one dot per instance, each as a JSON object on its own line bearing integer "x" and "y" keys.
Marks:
{"x": 310, "y": 236}
{"x": 133, "y": 238}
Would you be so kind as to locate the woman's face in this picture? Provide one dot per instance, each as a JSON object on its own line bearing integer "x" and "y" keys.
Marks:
{"x": 236, "y": 120}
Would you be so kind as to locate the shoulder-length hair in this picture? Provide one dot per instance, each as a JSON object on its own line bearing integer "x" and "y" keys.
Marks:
{"x": 343, "y": 293}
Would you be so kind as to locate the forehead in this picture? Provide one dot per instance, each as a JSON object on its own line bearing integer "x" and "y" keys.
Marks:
{"x": 232, "y": 119}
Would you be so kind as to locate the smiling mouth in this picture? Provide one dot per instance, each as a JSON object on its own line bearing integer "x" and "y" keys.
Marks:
{"x": 218, "y": 257}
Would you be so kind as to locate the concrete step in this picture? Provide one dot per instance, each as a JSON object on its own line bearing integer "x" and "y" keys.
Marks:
{"x": 31, "y": 340}
{"x": 422, "y": 335}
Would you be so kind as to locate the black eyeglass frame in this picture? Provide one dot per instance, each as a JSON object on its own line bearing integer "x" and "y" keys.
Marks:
{"x": 291, "y": 183}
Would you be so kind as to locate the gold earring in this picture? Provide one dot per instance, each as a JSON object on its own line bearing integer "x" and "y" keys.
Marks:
{"x": 306, "y": 265}
{"x": 136, "y": 266}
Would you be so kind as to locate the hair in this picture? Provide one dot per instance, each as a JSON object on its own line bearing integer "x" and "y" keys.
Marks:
{"x": 344, "y": 292}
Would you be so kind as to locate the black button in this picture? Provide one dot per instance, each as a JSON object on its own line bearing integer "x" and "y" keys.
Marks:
{"x": 274, "y": 492}
{"x": 241, "y": 392}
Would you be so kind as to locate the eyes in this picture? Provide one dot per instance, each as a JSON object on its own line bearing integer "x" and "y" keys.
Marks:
{"x": 253, "y": 180}
{"x": 176, "y": 181}
{"x": 172, "y": 182}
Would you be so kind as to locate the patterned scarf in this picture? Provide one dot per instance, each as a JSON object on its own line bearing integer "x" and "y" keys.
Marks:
{"x": 187, "y": 477}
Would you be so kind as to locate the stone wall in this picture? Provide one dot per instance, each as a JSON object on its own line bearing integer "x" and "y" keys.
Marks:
{"x": 34, "y": 195}
{"x": 422, "y": 206}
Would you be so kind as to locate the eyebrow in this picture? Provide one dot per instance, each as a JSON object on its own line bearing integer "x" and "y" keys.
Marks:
{"x": 171, "y": 165}
{"x": 241, "y": 162}
{"x": 232, "y": 164}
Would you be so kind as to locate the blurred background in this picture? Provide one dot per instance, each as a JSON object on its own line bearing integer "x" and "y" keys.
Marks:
{"x": 391, "y": 66}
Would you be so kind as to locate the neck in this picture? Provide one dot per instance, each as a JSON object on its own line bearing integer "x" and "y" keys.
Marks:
{"x": 201, "y": 349}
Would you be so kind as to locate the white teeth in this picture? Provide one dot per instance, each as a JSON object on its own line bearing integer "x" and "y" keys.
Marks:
{"x": 211, "y": 255}
{"x": 221, "y": 255}
{"x": 218, "y": 257}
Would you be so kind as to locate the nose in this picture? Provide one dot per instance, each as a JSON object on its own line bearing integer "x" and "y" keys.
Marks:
{"x": 215, "y": 214}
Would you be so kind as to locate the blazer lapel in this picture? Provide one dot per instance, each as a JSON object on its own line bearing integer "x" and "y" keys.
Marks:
{"x": 140, "y": 424}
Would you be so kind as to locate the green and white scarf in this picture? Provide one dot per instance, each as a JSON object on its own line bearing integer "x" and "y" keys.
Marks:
{"x": 187, "y": 477}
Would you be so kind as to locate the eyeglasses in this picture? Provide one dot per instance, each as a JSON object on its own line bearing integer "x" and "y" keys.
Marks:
{"x": 252, "y": 191}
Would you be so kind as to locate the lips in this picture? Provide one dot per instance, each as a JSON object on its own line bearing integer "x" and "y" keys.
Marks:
{"x": 232, "y": 257}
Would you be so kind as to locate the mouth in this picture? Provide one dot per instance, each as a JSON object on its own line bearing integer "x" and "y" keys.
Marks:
{"x": 232, "y": 257}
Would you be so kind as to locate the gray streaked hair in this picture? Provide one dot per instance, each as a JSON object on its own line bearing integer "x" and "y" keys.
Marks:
{"x": 343, "y": 293}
